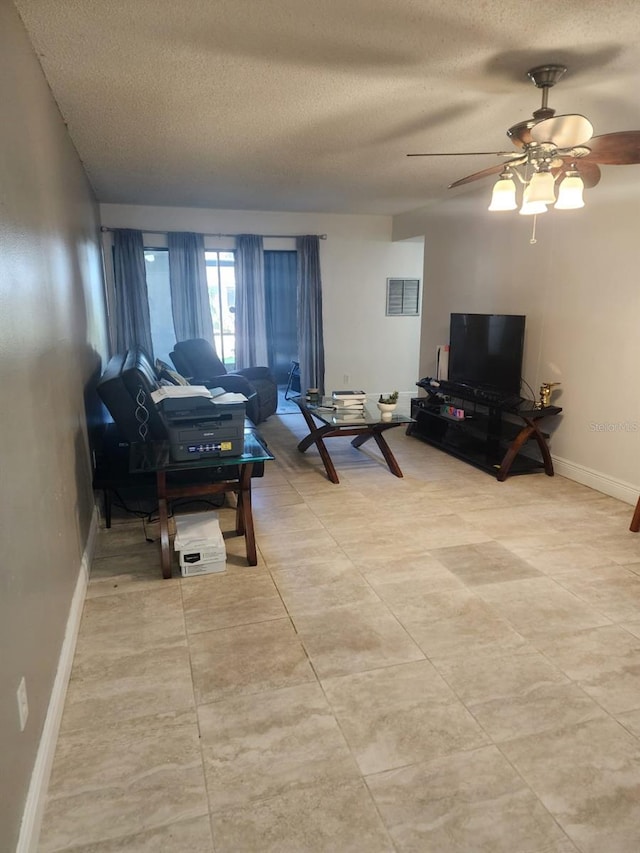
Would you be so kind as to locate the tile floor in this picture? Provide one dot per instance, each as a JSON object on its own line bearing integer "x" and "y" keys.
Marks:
{"x": 436, "y": 663}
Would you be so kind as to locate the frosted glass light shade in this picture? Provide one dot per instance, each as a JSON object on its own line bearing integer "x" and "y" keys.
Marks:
{"x": 541, "y": 188}
{"x": 570, "y": 193}
{"x": 504, "y": 195}
{"x": 530, "y": 207}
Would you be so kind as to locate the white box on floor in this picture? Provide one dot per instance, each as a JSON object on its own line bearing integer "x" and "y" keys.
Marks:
{"x": 193, "y": 555}
{"x": 196, "y": 527}
{"x": 200, "y": 544}
{"x": 203, "y": 568}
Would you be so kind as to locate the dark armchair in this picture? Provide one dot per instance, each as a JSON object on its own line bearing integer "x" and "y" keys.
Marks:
{"x": 197, "y": 361}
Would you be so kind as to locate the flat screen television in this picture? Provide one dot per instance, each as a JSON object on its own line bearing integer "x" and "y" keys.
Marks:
{"x": 486, "y": 350}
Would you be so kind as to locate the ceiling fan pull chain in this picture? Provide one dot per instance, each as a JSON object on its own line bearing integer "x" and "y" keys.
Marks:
{"x": 533, "y": 240}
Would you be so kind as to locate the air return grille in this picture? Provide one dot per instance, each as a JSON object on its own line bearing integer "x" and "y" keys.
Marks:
{"x": 403, "y": 297}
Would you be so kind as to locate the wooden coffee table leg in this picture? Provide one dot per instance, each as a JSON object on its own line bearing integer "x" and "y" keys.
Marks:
{"x": 306, "y": 443}
{"x": 635, "y": 521}
{"x": 329, "y": 467}
{"x": 389, "y": 458}
{"x": 359, "y": 440}
{"x": 376, "y": 434}
{"x": 316, "y": 437}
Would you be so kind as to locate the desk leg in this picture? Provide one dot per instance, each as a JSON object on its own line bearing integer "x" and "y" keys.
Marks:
{"x": 107, "y": 507}
{"x": 376, "y": 434}
{"x": 165, "y": 552}
{"x": 635, "y": 521}
{"x": 244, "y": 514}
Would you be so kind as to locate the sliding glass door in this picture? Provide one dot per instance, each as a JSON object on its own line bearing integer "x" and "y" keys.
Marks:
{"x": 221, "y": 282}
{"x": 280, "y": 269}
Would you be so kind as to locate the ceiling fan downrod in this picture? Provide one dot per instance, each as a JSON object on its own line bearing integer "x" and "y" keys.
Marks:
{"x": 544, "y": 77}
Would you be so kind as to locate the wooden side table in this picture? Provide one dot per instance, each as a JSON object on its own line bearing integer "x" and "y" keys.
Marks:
{"x": 234, "y": 473}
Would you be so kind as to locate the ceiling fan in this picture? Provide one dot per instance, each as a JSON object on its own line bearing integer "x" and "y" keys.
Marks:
{"x": 551, "y": 148}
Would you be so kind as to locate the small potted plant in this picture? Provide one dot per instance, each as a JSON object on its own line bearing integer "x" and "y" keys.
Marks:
{"x": 386, "y": 404}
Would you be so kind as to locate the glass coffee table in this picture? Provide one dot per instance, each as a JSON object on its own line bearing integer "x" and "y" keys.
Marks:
{"x": 324, "y": 422}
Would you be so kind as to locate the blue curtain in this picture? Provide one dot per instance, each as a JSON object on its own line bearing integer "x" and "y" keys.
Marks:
{"x": 251, "y": 323}
{"x": 280, "y": 281}
{"x": 133, "y": 326}
{"x": 189, "y": 293}
{"x": 310, "y": 329}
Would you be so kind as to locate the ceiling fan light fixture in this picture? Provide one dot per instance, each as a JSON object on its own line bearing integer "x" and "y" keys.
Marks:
{"x": 504, "y": 193}
{"x": 531, "y": 208}
{"x": 550, "y": 149}
{"x": 570, "y": 192}
{"x": 541, "y": 188}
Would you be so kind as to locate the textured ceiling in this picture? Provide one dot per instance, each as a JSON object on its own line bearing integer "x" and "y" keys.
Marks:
{"x": 312, "y": 106}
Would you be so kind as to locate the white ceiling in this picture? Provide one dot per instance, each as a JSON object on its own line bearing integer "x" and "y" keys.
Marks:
{"x": 312, "y": 105}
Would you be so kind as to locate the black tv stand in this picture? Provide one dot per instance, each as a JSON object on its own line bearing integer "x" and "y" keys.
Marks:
{"x": 492, "y": 432}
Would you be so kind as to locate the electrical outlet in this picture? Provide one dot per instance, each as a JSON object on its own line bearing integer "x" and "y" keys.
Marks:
{"x": 23, "y": 705}
{"x": 345, "y": 378}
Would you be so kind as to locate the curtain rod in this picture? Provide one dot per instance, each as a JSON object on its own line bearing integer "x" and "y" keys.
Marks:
{"x": 105, "y": 228}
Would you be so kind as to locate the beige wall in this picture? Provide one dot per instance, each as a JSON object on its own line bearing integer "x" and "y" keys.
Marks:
{"x": 578, "y": 286}
{"x": 376, "y": 352}
{"x": 52, "y": 338}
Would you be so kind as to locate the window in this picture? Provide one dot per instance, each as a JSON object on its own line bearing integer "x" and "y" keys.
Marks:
{"x": 221, "y": 284}
{"x": 163, "y": 336}
{"x": 403, "y": 296}
{"x": 221, "y": 281}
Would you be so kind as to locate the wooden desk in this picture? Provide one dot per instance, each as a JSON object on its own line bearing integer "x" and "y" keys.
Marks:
{"x": 234, "y": 473}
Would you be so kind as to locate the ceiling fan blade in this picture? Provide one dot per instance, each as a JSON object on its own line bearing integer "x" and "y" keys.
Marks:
{"x": 616, "y": 149}
{"x": 563, "y": 131}
{"x": 588, "y": 171}
{"x": 492, "y": 170}
{"x": 464, "y": 154}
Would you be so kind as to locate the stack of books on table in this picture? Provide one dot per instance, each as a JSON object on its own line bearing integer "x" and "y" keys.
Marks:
{"x": 349, "y": 403}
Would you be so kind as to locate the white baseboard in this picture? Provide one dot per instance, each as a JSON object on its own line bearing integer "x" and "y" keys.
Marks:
{"x": 34, "y": 807}
{"x": 620, "y": 489}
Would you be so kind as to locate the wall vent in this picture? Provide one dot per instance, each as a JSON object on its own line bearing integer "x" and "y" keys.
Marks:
{"x": 403, "y": 297}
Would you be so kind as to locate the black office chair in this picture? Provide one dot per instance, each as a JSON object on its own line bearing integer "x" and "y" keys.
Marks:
{"x": 293, "y": 382}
